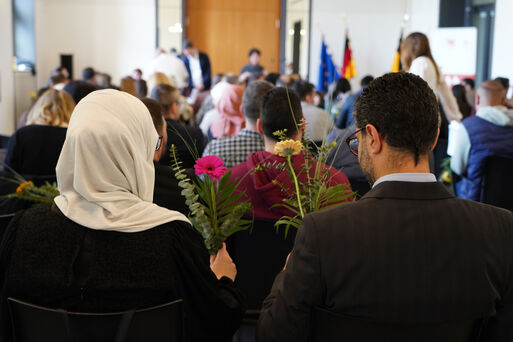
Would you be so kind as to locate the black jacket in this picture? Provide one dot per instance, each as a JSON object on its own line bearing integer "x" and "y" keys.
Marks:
{"x": 406, "y": 252}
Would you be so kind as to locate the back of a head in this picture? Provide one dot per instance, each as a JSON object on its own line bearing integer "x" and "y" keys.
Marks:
{"x": 470, "y": 82}
{"x": 366, "y": 81}
{"x": 103, "y": 80}
{"x": 187, "y": 44}
{"x": 415, "y": 45}
{"x": 128, "y": 85}
{"x": 252, "y": 98}
{"x": 156, "y": 79}
{"x": 404, "y": 110}
{"x": 303, "y": 88}
{"x": 156, "y": 113}
{"x": 504, "y": 81}
{"x": 460, "y": 94}
{"x": 490, "y": 93}
{"x": 165, "y": 95}
{"x": 52, "y": 108}
{"x": 88, "y": 73}
{"x": 272, "y": 77}
{"x": 342, "y": 87}
{"x": 281, "y": 109}
{"x": 79, "y": 89}
{"x": 58, "y": 78}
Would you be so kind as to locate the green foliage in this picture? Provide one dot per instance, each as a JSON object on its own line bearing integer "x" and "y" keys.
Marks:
{"x": 216, "y": 208}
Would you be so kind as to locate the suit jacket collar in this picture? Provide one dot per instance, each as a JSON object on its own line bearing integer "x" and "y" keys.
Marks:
{"x": 409, "y": 190}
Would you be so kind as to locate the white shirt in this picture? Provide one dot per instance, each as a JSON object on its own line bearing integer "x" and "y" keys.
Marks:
{"x": 196, "y": 74}
{"x": 425, "y": 69}
{"x": 172, "y": 67}
{"x": 407, "y": 177}
{"x": 318, "y": 122}
{"x": 459, "y": 140}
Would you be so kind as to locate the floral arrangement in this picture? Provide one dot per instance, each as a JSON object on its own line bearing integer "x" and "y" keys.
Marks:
{"x": 216, "y": 209}
{"x": 315, "y": 193}
{"x": 28, "y": 191}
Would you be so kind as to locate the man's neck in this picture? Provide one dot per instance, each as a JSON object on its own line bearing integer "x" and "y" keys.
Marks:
{"x": 407, "y": 165}
{"x": 251, "y": 125}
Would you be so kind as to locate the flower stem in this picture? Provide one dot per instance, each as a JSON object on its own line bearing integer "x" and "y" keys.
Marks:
{"x": 289, "y": 162}
{"x": 214, "y": 208}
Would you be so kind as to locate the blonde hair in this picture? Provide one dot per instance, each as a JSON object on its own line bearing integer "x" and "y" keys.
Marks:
{"x": 416, "y": 45}
{"x": 128, "y": 85}
{"x": 156, "y": 79}
{"x": 53, "y": 108}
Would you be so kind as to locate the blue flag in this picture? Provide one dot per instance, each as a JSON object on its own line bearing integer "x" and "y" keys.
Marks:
{"x": 327, "y": 70}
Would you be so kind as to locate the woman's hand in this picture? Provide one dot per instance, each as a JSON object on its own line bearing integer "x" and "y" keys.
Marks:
{"x": 222, "y": 265}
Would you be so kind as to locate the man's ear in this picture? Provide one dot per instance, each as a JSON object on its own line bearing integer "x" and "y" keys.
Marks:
{"x": 259, "y": 127}
{"x": 436, "y": 140}
{"x": 374, "y": 140}
{"x": 478, "y": 100}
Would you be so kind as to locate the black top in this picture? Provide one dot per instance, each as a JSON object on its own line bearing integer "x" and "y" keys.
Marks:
{"x": 35, "y": 149}
{"x": 167, "y": 193}
{"x": 48, "y": 260}
{"x": 406, "y": 252}
{"x": 255, "y": 70}
{"x": 176, "y": 133}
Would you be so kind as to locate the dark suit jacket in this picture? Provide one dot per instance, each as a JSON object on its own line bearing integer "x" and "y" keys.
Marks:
{"x": 406, "y": 252}
{"x": 205, "y": 70}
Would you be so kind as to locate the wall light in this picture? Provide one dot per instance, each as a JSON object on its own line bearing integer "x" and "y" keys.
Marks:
{"x": 176, "y": 28}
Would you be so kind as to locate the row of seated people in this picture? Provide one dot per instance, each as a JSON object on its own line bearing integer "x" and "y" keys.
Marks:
{"x": 103, "y": 245}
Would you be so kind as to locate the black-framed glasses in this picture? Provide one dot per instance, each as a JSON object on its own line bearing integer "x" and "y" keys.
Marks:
{"x": 352, "y": 142}
{"x": 159, "y": 143}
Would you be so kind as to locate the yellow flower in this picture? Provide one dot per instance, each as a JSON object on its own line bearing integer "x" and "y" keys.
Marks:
{"x": 288, "y": 147}
{"x": 446, "y": 176}
{"x": 23, "y": 186}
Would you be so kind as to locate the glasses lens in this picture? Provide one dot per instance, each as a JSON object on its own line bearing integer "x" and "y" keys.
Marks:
{"x": 159, "y": 142}
{"x": 353, "y": 146}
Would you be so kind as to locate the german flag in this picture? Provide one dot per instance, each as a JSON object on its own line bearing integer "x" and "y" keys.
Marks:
{"x": 348, "y": 69}
{"x": 397, "y": 66}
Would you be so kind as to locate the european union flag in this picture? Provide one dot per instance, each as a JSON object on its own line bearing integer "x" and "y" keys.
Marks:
{"x": 327, "y": 70}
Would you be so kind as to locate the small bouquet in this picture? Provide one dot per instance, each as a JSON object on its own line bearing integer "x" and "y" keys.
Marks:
{"x": 28, "y": 191}
{"x": 216, "y": 209}
{"x": 314, "y": 192}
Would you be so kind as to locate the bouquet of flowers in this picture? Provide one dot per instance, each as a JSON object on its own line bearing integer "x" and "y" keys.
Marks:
{"x": 314, "y": 192}
{"x": 28, "y": 191}
{"x": 216, "y": 208}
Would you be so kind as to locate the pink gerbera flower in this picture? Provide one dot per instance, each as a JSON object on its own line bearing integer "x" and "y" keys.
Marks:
{"x": 211, "y": 165}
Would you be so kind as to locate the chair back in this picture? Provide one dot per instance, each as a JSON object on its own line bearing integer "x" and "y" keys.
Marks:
{"x": 498, "y": 182}
{"x": 331, "y": 327}
{"x": 260, "y": 254}
{"x": 35, "y": 323}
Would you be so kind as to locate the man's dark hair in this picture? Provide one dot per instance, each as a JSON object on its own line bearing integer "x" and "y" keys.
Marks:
{"x": 303, "y": 88}
{"x": 252, "y": 98}
{"x": 404, "y": 109}
{"x": 88, "y": 73}
{"x": 156, "y": 113}
{"x": 58, "y": 78}
{"x": 173, "y": 50}
{"x": 272, "y": 77}
{"x": 470, "y": 82}
{"x": 366, "y": 81}
{"x": 254, "y": 50}
{"x": 165, "y": 95}
{"x": 187, "y": 44}
{"x": 79, "y": 89}
{"x": 504, "y": 81}
{"x": 343, "y": 86}
{"x": 281, "y": 109}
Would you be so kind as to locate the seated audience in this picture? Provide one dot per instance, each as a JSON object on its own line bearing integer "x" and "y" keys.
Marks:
{"x": 158, "y": 78}
{"x": 205, "y": 120}
{"x": 79, "y": 89}
{"x": 472, "y": 141}
{"x": 141, "y": 88}
{"x": 318, "y": 121}
{"x": 103, "y": 246}
{"x": 460, "y": 95}
{"x": 345, "y": 117}
{"x": 189, "y": 141}
{"x": 166, "y": 193}
{"x": 231, "y": 119}
{"x": 261, "y": 186}
{"x": 89, "y": 75}
{"x": 408, "y": 253}
{"x": 337, "y": 98}
{"x": 34, "y": 149}
{"x": 235, "y": 150}
{"x": 128, "y": 85}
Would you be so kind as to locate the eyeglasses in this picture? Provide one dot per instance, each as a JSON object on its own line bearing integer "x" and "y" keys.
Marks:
{"x": 159, "y": 143}
{"x": 352, "y": 142}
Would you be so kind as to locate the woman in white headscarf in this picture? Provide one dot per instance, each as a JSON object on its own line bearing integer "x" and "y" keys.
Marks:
{"x": 103, "y": 246}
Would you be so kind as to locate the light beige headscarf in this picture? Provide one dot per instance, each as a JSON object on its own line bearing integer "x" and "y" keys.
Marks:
{"x": 105, "y": 172}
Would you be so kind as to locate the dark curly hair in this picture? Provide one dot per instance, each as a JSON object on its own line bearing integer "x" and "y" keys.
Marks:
{"x": 404, "y": 109}
{"x": 281, "y": 109}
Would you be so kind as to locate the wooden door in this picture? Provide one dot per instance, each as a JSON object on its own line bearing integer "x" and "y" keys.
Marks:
{"x": 227, "y": 29}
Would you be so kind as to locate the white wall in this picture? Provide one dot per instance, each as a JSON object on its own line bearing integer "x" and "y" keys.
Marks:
{"x": 6, "y": 71}
{"x": 502, "y": 64}
{"x": 170, "y": 14}
{"x": 112, "y": 36}
{"x": 297, "y": 10}
{"x": 374, "y": 28}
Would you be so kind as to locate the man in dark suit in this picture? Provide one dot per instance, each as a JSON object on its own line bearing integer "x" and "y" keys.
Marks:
{"x": 408, "y": 251}
{"x": 197, "y": 64}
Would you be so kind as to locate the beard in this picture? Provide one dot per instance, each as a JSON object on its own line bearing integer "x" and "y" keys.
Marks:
{"x": 366, "y": 164}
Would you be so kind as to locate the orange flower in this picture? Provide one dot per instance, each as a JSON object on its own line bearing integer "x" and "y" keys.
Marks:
{"x": 23, "y": 185}
{"x": 288, "y": 147}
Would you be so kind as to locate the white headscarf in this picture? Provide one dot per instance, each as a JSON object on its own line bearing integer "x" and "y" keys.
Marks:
{"x": 105, "y": 172}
